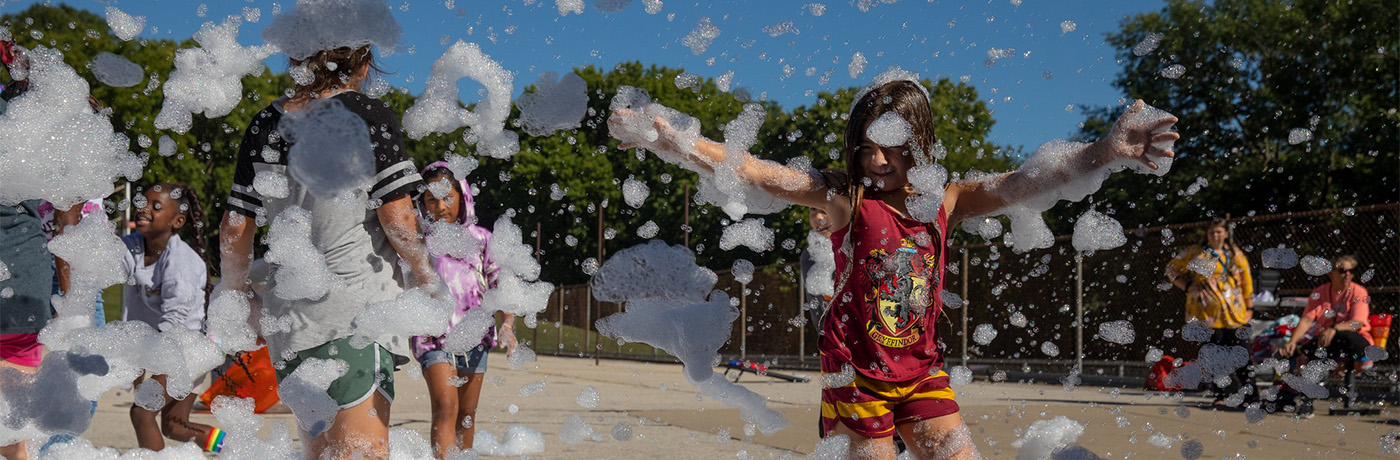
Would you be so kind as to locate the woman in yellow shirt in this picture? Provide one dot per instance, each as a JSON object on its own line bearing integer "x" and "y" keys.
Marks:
{"x": 1219, "y": 291}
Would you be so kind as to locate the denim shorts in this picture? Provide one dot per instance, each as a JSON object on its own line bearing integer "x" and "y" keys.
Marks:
{"x": 471, "y": 362}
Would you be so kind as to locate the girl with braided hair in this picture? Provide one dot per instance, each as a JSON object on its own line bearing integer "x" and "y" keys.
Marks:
{"x": 168, "y": 287}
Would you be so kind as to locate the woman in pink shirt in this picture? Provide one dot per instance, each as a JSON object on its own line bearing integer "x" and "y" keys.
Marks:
{"x": 1335, "y": 318}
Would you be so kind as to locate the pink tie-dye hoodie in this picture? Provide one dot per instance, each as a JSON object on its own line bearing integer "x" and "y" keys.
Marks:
{"x": 467, "y": 279}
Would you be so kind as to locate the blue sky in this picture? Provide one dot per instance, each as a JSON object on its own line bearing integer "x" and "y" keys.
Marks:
{"x": 1029, "y": 92}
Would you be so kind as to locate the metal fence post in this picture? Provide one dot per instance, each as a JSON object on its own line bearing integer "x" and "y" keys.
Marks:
{"x": 802, "y": 316}
{"x": 743, "y": 322}
{"x": 1079, "y": 312}
{"x": 588, "y": 325}
{"x": 965, "y": 307}
{"x": 559, "y": 324}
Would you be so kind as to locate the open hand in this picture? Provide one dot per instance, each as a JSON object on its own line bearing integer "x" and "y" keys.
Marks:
{"x": 1288, "y": 350}
{"x": 1132, "y": 138}
{"x": 627, "y": 125}
{"x": 507, "y": 340}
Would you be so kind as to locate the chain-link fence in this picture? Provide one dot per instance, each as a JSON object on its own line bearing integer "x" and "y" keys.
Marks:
{"x": 1053, "y": 296}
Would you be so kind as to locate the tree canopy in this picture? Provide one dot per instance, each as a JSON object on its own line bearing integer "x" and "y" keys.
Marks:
{"x": 558, "y": 183}
{"x": 1284, "y": 106}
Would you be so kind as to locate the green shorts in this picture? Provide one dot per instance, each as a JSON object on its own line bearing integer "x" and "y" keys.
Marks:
{"x": 370, "y": 368}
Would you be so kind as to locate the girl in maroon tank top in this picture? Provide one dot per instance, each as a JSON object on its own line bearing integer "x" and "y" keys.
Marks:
{"x": 881, "y": 357}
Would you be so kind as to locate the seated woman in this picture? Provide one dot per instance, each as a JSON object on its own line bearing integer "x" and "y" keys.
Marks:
{"x": 1335, "y": 319}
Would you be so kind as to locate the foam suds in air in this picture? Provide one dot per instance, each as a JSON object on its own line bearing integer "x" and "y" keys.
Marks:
{"x": 227, "y": 322}
{"x": 588, "y": 397}
{"x": 34, "y": 406}
{"x": 94, "y": 254}
{"x": 518, "y": 289}
{"x": 302, "y": 272}
{"x": 1054, "y": 438}
{"x": 820, "y": 279}
{"x": 635, "y": 192}
{"x": 271, "y": 184}
{"x": 1280, "y": 258}
{"x": 648, "y": 230}
{"x": 857, "y": 65}
{"x": 1315, "y": 266}
{"x": 311, "y": 26}
{"x": 325, "y": 132}
{"x": 1120, "y": 332}
{"x": 415, "y": 312}
{"x": 438, "y": 110}
{"x": 1094, "y": 231}
{"x": 208, "y": 79}
{"x": 517, "y": 441}
{"x": 576, "y": 430}
{"x": 51, "y": 131}
{"x": 305, "y": 392}
{"x": 890, "y": 130}
{"x": 670, "y": 306}
{"x": 569, "y": 6}
{"x": 749, "y": 233}
{"x": 124, "y": 25}
{"x": 523, "y": 355}
{"x": 930, "y": 182}
{"x": 165, "y": 146}
{"x": 700, "y": 38}
{"x": 114, "y": 70}
{"x": 742, "y": 270}
{"x": 558, "y": 103}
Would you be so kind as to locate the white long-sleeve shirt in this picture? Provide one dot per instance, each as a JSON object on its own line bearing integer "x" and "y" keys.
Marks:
{"x": 167, "y": 293}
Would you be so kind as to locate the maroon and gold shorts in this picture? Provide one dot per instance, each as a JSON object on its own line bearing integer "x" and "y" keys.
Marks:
{"x": 873, "y": 408}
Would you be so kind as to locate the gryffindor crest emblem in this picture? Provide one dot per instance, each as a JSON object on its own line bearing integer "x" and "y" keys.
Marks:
{"x": 900, "y": 294}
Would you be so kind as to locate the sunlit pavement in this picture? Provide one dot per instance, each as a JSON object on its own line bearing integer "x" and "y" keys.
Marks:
{"x": 667, "y": 421}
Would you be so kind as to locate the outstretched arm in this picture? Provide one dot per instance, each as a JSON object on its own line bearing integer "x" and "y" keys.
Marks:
{"x": 798, "y": 187}
{"x": 1129, "y": 140}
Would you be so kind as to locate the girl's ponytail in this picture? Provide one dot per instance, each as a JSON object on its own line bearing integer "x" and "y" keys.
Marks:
{"x": 193, "y": 211}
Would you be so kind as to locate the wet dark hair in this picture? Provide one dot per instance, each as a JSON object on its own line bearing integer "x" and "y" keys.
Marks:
{"x": 332, "y": 68}
{"x": 906, "y": 99}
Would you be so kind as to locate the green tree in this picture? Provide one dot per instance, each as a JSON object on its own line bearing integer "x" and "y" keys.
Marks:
{"x": 583, "y": 164}
{"x": 1254, "y": 75}
{"x": 204, "y": 158}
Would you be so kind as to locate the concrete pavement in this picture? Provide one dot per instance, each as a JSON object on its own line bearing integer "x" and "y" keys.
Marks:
{"x": 668, "y": 420}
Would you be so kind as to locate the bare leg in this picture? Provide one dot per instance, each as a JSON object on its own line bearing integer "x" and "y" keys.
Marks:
{"x": 19, "y": 450}
{"x": 147, "y": 429}
{"x": 941, "y": 438}
{"x": 360, "y": 432}
{"x": 468, "y": 395}
{"x": 443, "y": 397}
{"x": 175, "y": 418}
{"x": 866, "y": 448}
